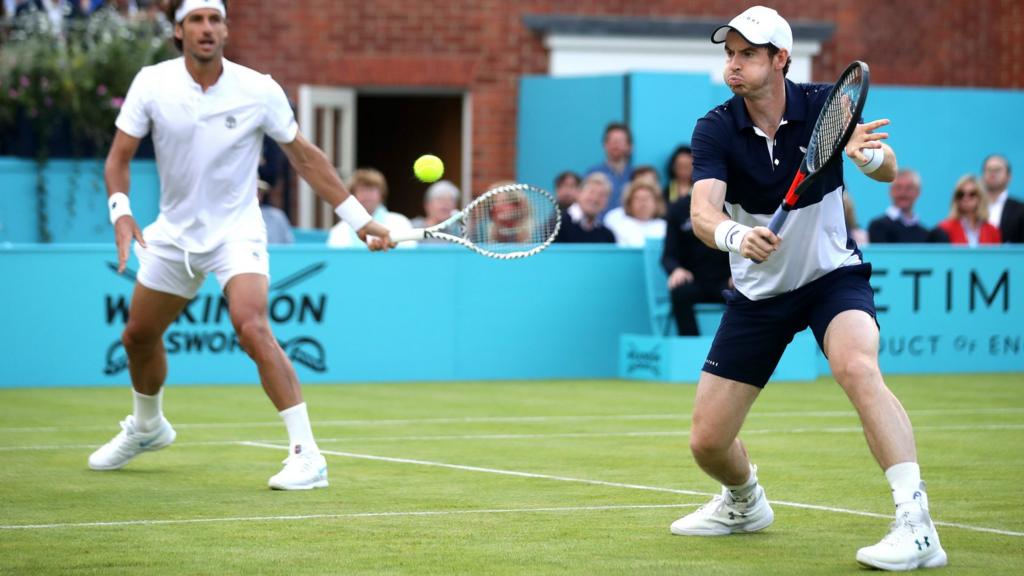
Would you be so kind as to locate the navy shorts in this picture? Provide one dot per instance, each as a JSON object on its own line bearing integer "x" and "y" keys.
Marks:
{"x": 754, "y": 334}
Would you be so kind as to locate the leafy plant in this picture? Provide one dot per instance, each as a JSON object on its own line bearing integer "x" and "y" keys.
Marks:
{"x": 61, "y": 86}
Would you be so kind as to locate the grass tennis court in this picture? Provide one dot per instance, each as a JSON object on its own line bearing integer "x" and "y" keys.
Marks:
{"x": 495, "y": 478}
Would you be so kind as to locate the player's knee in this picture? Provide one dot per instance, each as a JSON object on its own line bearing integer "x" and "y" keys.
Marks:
{"x": 704, "y": 445}
{"x": 253, "y": 333}
{"x": 137, "y": 338}
{"x": 855, "y": 369}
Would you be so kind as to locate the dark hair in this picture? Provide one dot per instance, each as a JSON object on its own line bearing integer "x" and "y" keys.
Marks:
{"x": 561, "y": 178}
{"x": 772, "y": 51}
{"x": 1005, "y": 160}
{"x": 172, "y": 7}
{"x": 617, "y": 126}
{"x": 670, "y": 171}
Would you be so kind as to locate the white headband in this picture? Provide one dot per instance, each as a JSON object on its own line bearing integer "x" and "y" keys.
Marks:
{"x": 190, "y": 5}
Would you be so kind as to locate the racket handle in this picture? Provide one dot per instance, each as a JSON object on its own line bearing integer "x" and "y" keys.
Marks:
{"x": 404, "y": 235}
{"x": 778, "y": 219}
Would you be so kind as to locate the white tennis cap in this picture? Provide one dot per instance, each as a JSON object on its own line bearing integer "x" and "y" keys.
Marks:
{"x": 758, "y": 25}
{"x": 191, "y": 5}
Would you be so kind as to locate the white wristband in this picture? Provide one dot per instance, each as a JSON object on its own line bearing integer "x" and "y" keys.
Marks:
{"x": 729, "y": 235}
{"x": 875, "y": 158}
{"x": 118, "y": 205}
{"x": 352, "y": 212}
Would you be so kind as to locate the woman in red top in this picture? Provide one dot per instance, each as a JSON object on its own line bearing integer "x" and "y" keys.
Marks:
{"x": 968, "y": 216}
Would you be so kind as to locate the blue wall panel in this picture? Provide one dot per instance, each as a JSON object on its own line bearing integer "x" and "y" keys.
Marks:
{"x": 561, "y": 124}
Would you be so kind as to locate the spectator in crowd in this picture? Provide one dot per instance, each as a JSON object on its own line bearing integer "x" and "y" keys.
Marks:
{"x": 279, "y": 229}
{"x": 647, "y": 174}
{"x": 618, "y": 146}
{"x": 642, "y": 217}
{"x": 371, "y": 190}
{"x": 1004, "y": 212}
{"x": 567, "y": 186}
{"x": 853, "y": 229}
{"x": 581, "y": 222}
{"x": 440, "y": 201}
{"x": 696, "y": 272}
{"x": 900, "y": 224}
{"x": 967, "y": 222}
{"x": 680, "y": 174}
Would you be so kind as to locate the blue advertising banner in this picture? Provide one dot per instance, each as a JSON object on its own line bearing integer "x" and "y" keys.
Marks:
{"x": 432, "y": 313}
{"x": 446, "y": 314}
{"x": 948, "y": 308}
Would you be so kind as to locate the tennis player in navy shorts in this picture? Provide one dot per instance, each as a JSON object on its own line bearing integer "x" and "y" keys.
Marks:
{"x": 745, "y": 154}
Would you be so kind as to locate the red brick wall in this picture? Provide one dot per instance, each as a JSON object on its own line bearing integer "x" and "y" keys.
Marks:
{"x": 482, "y": 46}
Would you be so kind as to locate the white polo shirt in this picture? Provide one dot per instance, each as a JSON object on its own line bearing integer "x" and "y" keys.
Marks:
{"x": 207, "y": 148}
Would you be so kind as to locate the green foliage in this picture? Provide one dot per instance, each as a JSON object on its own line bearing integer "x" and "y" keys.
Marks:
{"x": 78, "y": 75}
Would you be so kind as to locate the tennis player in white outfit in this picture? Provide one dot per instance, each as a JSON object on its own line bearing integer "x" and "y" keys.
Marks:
{"x": 207, "y": 117}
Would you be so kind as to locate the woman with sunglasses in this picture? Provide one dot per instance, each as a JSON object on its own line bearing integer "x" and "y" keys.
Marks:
{"x": 968, "y": 215}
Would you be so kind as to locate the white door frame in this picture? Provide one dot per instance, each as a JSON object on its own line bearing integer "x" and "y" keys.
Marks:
{"x": 334, "y": 101}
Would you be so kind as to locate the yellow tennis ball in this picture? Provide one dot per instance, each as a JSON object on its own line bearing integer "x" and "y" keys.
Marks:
{"x": 428, "y": 168}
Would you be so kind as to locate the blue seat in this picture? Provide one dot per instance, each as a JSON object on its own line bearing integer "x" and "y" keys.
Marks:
{"x": 310, "y": 235}
{"x": 659, "y": 303}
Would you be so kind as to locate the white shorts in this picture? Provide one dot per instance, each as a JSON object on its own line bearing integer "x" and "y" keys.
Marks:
{"x": 167, "y": 268}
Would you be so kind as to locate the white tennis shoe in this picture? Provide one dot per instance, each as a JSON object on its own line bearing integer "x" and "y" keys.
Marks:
{"x": 724, "y": 516}
{"x": 911, "y": 543}
{"x": 129, "y": 443}
{"x": 303, "y": 471}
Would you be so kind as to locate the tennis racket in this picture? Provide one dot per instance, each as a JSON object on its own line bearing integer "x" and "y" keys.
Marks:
{"x": 506, "y": 222}
{"x": 832, "y": 131}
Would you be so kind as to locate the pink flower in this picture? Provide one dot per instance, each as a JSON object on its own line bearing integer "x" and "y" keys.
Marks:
{"x": 101, "y": 89}
{"x": 25, "y": 81}
{"x": 12, "y": 93}
{"x": 116, "y": 102}
{"x": 48, "y": 102}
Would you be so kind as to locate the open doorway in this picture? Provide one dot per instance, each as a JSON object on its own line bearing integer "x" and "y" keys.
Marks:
{"x": 392, "y": 130}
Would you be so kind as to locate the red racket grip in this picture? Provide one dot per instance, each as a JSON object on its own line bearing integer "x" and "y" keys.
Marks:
{"x": 791, "y": 195}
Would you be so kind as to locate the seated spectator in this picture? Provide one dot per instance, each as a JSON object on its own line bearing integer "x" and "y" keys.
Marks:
{"x": 567, "y": 186}
{"x": 853, "y": 229}
{"x": 439, "y": 202}
{"x": 696, "y": 273}
{"x": 900, "y": 224}
{"x": 680, "y": 174}
{"x": 646, "y": 173}
{"x": 279, "y": 229}
{"x": 642, "y": 217}
{"x": 1005, "y": 212}
{"x": 581, "y": 222}
{"x": 371, "y": 190}
{"x": 968, "y": 215}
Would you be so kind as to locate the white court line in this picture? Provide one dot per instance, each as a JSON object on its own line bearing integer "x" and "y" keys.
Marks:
{"x": 529, "y": 419}
{"x": 541, "y": 436}
{"x": 621, "y": 485}
{"x": 116, "y": 523}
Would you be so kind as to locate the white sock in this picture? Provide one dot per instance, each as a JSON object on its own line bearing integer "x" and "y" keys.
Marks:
{"x": 147, "y": 410}
{"x": 743, "y": 492}
{"x": 300, "y": 433}
{"x": 907, "y": 488}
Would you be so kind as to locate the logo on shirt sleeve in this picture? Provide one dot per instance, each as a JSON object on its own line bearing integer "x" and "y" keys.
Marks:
{"x": 230, "y": 122}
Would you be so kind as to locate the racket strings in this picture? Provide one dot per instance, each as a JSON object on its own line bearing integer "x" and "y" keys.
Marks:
{"x": 836, "y": 117}
{"x": 511, "y": 219}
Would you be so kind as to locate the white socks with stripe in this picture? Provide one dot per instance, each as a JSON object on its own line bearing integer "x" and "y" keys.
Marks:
{"x": 907, "y": 487}
{"x": 147, "y": 410}
{"x": 742, "y": 493}
{"x": 300, "y": 433}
